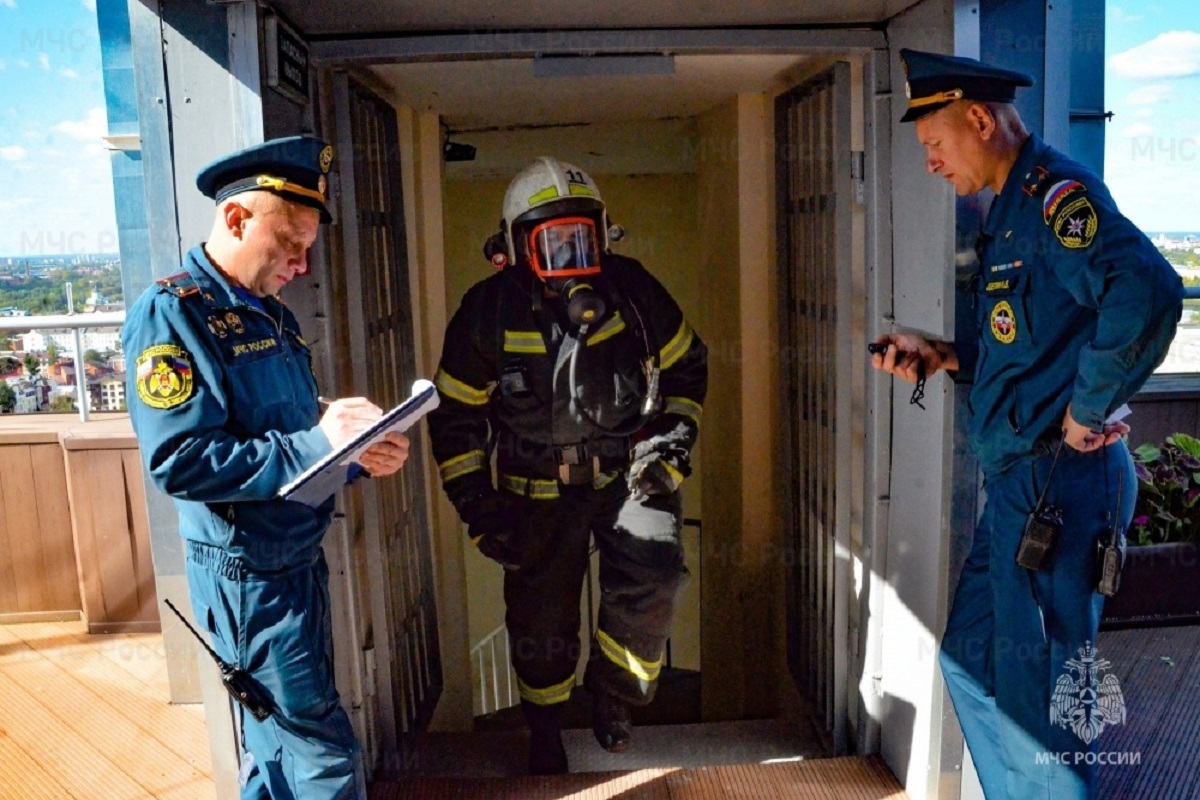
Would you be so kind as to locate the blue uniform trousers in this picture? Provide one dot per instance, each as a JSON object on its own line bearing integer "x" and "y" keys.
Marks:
{"x": 1011, "y": 632}
{"x": 276, "y": 626}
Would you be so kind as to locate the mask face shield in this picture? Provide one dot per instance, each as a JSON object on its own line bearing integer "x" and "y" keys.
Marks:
{"x": 564, "y": 247}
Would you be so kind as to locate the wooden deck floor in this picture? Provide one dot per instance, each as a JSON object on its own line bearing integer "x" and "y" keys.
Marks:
{"x": 85, "y": 716}
{"x": 820, "y": 779}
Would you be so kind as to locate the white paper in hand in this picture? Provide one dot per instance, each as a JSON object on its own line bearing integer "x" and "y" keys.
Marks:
{"x": 317, "y": 483}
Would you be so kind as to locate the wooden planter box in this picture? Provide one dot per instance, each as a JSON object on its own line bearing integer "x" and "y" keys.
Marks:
{"x": 74, "y": 533}
{"x": 1160, "y": 586}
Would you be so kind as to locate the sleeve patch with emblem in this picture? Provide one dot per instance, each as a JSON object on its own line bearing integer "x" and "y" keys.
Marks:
{"x": 1076, "y": 224}
{"x": 164, "y": 376}
{"x": 1056, "y": 194}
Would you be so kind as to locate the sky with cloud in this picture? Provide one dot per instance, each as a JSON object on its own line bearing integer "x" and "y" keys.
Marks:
{"x": 1152, "y": 147}
{"x": 58, "y": 196}
{"x": 59, "y": 182}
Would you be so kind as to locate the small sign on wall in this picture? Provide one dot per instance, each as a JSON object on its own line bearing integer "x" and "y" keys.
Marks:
{"x": 287, "y": 61}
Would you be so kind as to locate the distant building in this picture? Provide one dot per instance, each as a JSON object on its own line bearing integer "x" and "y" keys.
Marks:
{"x": 64, "y": 341}
{"x": 112, "y": 392}
{"x": 31, "y": 396}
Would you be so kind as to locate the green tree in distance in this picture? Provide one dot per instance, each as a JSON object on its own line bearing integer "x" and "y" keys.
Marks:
{"x": 32, "y": 366}
{"x": 8, "y": 398}
{"x": 62, "y": 403}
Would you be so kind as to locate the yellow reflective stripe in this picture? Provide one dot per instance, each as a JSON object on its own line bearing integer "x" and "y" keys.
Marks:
{"x": 549, "y": 193}
{"x": 457, "y": 390}
{"x": 678, "y": 345}
{"x": 609, "y": 329}
{"x": 524, "y": 342}
{"x": 627, "y": 660}
{"x": 558, "y": 693}
{"x": 533, "y": 488}
{"x": 472, "y": 461}
{"x": 604, "y": 479}
{"x": 683, "y": 407}
{"x": 581, "y": 189}
{"x": 675, "y": 474}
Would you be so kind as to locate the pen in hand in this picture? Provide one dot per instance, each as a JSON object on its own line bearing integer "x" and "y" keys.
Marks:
{"x": 324, "y": 401}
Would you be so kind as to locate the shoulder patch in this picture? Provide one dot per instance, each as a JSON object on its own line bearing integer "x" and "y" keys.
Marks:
{"x": 1035, "y": 181}
{"x": 1076, "y": 224}
{"x": 181, "y": 284}
{"x": 1055, "y": 196}
{"x": 164, "y": 376}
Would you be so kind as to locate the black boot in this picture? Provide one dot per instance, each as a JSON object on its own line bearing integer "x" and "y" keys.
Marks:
{"x": 611, "y": 722}
{"x": 547, "y": 756}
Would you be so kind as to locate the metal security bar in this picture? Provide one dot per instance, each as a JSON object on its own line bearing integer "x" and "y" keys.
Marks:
{"x": 814, "y": 184}
{"x": 378, "y": 299}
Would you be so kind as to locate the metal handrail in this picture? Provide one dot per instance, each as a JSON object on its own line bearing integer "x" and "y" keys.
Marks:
{"x": 488, "y": 644}
{"x": 76, "y": 323}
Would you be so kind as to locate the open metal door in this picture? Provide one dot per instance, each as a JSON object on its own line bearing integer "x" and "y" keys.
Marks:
{"x": 401, "y": 652}
{"x": 815, "y": 187}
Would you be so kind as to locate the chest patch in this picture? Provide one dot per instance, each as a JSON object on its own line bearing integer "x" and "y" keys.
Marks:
{"x": 164, "y": 376}
{"x": 1076, "y": 224}
{"x": 1003, "y": 323}
{"x": 245, "y": 348}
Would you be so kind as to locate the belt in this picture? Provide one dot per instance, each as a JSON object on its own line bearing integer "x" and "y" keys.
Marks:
{"x": 581, "y": 462}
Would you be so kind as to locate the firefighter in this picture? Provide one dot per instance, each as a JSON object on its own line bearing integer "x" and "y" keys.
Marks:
{"x": 576, "y": 369}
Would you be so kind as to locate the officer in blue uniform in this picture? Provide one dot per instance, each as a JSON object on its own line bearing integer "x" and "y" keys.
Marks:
{"x": 1075, "y": 310}
{"x": 224, "y": 403}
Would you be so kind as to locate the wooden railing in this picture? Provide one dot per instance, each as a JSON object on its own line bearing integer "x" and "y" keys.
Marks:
{"x": 74, "y": 533}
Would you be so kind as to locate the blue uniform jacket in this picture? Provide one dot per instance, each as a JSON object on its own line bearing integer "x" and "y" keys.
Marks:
{"x": 1074, "y": 305}
{"x": 224, "y": 403}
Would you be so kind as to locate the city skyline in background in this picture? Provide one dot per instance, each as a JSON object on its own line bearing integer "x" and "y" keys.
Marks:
{"x": 60, "y": 197}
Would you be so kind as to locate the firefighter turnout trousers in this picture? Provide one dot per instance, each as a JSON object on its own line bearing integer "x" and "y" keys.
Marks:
{"x": 641, "y": 574}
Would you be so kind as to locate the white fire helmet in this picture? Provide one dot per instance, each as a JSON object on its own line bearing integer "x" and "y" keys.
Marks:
{"x": 549, "y": 189}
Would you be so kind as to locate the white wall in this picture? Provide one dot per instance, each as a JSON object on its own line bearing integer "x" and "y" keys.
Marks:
{"x": 917, "y": 554}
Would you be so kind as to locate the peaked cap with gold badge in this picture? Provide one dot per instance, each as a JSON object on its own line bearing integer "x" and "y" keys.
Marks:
{"x": 936, "y": 80}
{"x": 294, "y": 167}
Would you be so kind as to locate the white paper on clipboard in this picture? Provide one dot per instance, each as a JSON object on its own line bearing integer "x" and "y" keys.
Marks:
{"x": 317, "y": 483}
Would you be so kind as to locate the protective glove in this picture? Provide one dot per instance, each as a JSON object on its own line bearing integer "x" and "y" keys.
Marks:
{"x": 493, "y": 528}
{"x": 651, "y": 478}
{"x": 498, "y": 546}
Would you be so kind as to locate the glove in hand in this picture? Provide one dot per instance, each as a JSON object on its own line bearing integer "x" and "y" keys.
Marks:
{"x": 498, "y": 546}
{"x": 648, "y": 478}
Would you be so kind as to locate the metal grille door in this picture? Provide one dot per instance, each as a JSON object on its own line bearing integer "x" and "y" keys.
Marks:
{"x": 814, "y": 187}
{"x": 398, "y": 540}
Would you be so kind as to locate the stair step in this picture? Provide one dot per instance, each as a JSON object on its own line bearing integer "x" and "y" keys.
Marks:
{"x": 820, "y": 779}
{"x": 505, "y": 753}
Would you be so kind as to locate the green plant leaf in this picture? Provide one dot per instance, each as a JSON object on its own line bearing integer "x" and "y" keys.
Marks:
{"x": 1146, "y": 453}
{"x": 1187, "y": 444}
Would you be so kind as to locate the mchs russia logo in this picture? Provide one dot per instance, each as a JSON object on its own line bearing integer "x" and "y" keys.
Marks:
{"x": 1085, "y": 700}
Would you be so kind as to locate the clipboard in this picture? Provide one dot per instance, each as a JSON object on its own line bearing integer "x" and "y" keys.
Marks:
{"x": 317, "y": 483}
